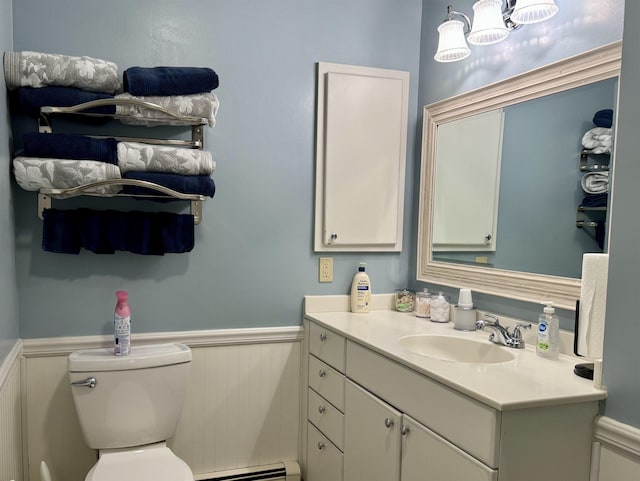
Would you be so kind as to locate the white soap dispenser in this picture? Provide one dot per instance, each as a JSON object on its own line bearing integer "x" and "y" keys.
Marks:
{"x": 361, "y": 290}
{"x": 548, "y": 332}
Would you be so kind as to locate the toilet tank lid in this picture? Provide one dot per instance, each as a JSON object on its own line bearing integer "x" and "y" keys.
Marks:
{"x": 141, "y": 357}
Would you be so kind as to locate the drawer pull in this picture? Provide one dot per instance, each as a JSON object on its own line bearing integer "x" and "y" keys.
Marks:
{"x": 323, "y": 337}
{"x": 320, "y": 445}
{"x": 388, "y": 422}
{"x": 322, "y": 373}
{"x": 321, "y": 409}
{"x": 405, "y": 430}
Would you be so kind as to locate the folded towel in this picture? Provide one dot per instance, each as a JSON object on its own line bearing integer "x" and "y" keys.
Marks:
{"x": 37, "y": 69}
{"x": 603, "y": 118}
{"x": 598, "y": 140}
{"x": 34, "y": 173}
{"x": 595, "y": 182}
{"x": 202, "y": 105}
{"x": 30, "y": 100}
{"x": 104, "y": 232}
{"x": 596, "y": 200}
{"x": 134, "y": 156}
{"x": 187, "y": 184}
{"x": 169, "y": 80}
{"x": 69, "y": 146}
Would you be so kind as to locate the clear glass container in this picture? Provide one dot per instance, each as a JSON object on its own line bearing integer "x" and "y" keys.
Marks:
{"x": 440, "y": 308}
{"x": 423, "y": 304}
{"x": 405, "y": 300}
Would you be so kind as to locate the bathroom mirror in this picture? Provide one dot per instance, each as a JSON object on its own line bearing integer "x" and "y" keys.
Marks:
{"x": 533, "y": 281}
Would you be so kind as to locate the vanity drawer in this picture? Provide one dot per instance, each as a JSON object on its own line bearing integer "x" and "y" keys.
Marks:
{"x": 324, "y": 460}
{"x": 467, "y": 423}
{"x": 327, "y": 345}
{"x": 327, "y": 382}
{"x": 326, "y": 418}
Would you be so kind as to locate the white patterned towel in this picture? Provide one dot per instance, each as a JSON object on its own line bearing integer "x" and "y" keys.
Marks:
{"x": 36, "y": 69}
{"x": 134, "y": 156}
{"x": 34, "y": 173}
{"x": 595, "y": 182}
{"x": 204, "y": 105}
{"x": 598, "y": 140}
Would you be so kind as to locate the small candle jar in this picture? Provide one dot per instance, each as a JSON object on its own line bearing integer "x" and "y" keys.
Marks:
{"x": 405, "y": 300}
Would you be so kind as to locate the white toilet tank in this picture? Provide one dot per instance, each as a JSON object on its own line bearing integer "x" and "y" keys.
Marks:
{"x": 136, "y": 399}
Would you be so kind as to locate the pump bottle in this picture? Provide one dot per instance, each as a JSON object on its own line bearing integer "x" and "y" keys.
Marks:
{"x": 548, "y": 332}
{"x": 122, "y": 325}
{"x": 361, "y": 290}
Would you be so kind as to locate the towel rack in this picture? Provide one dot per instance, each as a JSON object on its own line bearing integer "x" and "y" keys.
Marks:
{"x": 45, "y": 195}
{"x": 196, "y": 123}
{"x": 585, "y": 166}
{"x": 582, "y": 213}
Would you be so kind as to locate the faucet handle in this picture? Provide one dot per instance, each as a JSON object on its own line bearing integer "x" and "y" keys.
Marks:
{"x": 520, "y": 325}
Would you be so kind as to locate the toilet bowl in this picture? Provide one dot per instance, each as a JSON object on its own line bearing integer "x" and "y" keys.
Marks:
{"x": 128, "y": 406}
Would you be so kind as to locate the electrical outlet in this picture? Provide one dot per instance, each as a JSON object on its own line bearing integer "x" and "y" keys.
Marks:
{"x": 326, "y": 269}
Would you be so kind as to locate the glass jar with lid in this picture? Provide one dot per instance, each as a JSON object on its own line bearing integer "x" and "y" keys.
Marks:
{"x": 440, "y": 308}
{"x": 423, "y": 304}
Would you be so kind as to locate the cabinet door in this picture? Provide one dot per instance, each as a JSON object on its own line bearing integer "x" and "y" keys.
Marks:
{"x": 372, "y": 437}
{"x": 428, "y": 457}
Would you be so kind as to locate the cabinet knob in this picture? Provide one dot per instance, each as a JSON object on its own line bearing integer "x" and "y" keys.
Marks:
{"x": 323, "y": 337}
{"x": 321, "y": 409}
{"x": 405, "y": 430}
{"x": 320, "y": 445}
{"x": 388, "y": 422}
{"x": 322, "y": 373}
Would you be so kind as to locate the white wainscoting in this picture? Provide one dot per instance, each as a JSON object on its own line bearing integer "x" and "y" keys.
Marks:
{"x": 10, "y": 416}
{"x": 616, "y": 451}
{"x": 242, "y": 406}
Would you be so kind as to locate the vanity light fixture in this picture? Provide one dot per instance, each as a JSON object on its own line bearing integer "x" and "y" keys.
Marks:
{"x": 493, "y": 20}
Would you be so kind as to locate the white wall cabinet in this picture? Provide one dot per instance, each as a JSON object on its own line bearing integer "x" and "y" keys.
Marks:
{"x": 360, "y": 158}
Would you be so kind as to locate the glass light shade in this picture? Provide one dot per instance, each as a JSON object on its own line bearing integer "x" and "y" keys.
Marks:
{"x": 533, "y": 11}
{"x": 488, "y": 24}
{"x": 452, "y": 45}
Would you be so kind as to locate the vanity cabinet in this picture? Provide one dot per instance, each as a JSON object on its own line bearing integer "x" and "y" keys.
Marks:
{"x": 372, "y": 417}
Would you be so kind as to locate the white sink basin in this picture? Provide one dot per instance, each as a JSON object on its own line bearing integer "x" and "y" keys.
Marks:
{"x": 456, "y": 349}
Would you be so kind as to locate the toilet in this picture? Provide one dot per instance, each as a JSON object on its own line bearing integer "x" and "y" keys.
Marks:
{"x": 128, "y": 406}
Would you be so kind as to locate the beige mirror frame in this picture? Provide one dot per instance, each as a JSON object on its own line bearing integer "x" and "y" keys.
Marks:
{"x": 598, "y": 64}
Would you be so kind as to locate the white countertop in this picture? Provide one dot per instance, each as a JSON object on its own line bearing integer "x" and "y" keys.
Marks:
{"x": 526, "y": 381}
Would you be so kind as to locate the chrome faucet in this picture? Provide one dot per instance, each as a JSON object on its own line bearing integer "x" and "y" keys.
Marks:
{"x": 501, "y": 334}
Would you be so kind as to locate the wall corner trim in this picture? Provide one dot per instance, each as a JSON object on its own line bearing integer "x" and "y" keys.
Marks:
{"x": 63, "y": 346}
{"x": 7, "y": 365}
{"x": 614, "y": 433}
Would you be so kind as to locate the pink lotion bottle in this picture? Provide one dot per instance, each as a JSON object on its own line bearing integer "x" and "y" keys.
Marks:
{"x": 122, "y": 325}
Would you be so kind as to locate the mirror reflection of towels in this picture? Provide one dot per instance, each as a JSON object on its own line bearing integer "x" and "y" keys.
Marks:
{"x": 595, "y": 182}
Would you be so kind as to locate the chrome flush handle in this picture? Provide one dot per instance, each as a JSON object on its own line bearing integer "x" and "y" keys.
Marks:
{"x": 90, "y": 382}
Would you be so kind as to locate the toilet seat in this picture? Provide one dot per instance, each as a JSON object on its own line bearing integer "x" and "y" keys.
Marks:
{"x": 149, "y": 463}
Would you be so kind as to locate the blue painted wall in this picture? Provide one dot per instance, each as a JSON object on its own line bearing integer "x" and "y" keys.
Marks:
{"x": 254, "y": 260}
{"x": 8, "y": 288}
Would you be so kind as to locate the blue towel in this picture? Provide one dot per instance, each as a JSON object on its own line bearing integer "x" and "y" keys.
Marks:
{"x": 187, "y": 184}
{"x": 166, "y": 81}
{"x": 69, "y": 146}
{"x": 104, "y": 232}
{"x": 31, "y": 99}
{"x": 596, "y": 200}
{"x": 603, "y": 118}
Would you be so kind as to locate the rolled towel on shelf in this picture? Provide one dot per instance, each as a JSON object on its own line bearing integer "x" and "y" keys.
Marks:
{"x": 595, "y": 182}
{"x": 134, "y": 156}
{"x": 29, "y": 100}
{"x": 38, "y": 69}
{"x": 201, "y": 105}
{"x": 596, "y": 200}
{"x": 169, "y": 80}
{"x": 598, "y": 140}
{"x": 70, "y": 146}
{"x": 186, "y": 184}
{"x": 105, "y": 232}
{"x": 34, "y": 173}
{"x": 603, "y": 118}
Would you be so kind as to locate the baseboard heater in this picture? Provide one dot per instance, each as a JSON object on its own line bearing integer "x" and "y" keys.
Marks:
{"x": 285, "y": 471}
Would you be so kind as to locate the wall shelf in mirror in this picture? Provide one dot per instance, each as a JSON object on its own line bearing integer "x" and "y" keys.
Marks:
{"x": 537, "y": 280}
